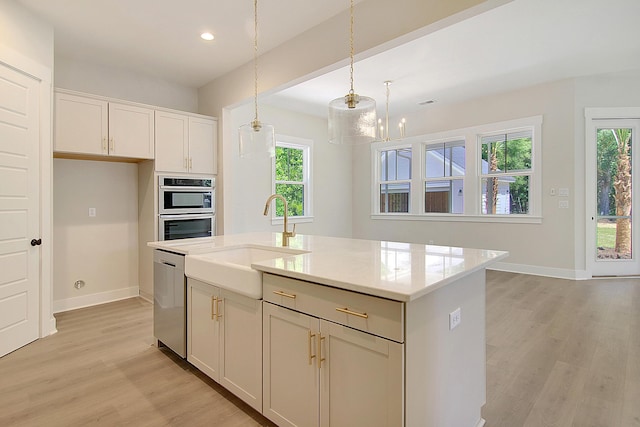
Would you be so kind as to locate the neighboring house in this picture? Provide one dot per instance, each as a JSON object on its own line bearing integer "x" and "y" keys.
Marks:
{"x": 446, "y": 195}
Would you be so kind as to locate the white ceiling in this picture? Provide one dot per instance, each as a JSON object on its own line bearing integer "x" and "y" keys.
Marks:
{"x": 162, "y": 37}
{"x": 522, "y": 43}
{"x": 519, "y": 44}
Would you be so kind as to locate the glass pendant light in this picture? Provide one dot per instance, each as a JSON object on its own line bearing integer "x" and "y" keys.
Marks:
{"x": 257, "y": 139}
{"x": 352, "y": 118}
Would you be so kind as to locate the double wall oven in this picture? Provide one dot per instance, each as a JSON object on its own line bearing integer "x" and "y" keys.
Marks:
{"x": 186, "y": 207}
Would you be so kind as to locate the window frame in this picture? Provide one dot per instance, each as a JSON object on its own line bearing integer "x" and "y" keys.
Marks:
{"x": 445, "y": 143}
{"x": 472, "y": 181}
{"x": 306, "y": 145}
{"x": 396, "y": 181}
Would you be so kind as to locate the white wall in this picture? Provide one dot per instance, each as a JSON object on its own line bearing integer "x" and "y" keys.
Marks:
{"x": 307, "y": 56}
{"x": 111, "y": 271}
{"x": 247, "y": 182}
{"x": 548, "y": 246}
{"x": 101, "y": 250}
{"x": 120, "y": 83}
{"x": 25, "y": 33}
{"x": 556, "y": 246}
{"x": 606, "y": 90}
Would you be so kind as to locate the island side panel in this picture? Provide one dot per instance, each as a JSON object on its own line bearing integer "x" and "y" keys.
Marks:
{"x": 445, "y": 369}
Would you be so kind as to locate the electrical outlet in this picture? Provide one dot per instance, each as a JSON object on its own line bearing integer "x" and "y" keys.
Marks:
{"x": 454, "y": 319}
{"x": 92, "y": 212}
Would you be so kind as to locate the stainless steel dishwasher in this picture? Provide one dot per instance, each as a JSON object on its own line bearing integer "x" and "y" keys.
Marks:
{"x": 169, "y": 301}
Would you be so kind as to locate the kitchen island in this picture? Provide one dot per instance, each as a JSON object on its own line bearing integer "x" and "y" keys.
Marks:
{"x": 353, "y": 332}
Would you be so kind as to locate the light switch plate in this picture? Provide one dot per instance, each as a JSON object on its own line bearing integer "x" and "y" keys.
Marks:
{"x": 454, "y": 319}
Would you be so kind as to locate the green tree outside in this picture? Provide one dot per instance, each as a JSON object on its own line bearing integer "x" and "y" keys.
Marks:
{"x": 290, "y": 180}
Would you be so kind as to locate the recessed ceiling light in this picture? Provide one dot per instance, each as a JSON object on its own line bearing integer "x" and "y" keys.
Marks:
{"x": 207, "y": 36}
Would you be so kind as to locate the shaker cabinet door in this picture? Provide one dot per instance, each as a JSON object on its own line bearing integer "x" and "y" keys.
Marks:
{"x": 203, "y": 134}
{"x": 172, "y": 142}
{"x": 361, "y": 381}
{"x": 131, "y": 131}
{"x": 203, "y": 327}
{"x": 291, "y": 375}
{"x": 80, "y": 125}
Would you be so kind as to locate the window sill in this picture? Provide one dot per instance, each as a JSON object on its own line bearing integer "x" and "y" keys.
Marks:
{"x": 292, "y": 220}
{"x": 508, "y": 219}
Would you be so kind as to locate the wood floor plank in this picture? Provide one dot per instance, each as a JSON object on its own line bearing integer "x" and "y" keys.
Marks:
{"x": 559, "y": 353}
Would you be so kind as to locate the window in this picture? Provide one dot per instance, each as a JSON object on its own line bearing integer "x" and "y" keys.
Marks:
{"x": 506, "y": 172}
{"x": 395, "y": 180}
{"x": 291, "y": 172}
{"x": 444, "y": 168}
{"x": 485, "y": 173}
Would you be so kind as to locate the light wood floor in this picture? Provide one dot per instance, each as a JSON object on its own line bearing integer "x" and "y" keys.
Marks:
{"x": 559, "y": 353}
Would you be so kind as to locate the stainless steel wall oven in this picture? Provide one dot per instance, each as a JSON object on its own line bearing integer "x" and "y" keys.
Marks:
{"x": 186, "y": 207}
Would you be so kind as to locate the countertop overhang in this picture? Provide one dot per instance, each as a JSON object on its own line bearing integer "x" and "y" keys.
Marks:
{"x": 393, "y": 270}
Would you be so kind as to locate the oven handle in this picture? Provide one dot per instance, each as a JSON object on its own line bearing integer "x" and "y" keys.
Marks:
{"x": 187, "y": 216}
{"x": 174, "y": 188}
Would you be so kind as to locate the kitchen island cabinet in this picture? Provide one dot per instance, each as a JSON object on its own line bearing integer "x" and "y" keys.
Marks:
{"x": 224, "y": 339}
{"x": 368, "y": 333}
{"x": 320, "y": 373}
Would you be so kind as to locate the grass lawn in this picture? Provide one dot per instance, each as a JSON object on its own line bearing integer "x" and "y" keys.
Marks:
{"x": 606, "y": 235}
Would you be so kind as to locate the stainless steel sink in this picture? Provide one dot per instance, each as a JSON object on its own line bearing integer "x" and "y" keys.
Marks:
{"x": 230, "y": 268}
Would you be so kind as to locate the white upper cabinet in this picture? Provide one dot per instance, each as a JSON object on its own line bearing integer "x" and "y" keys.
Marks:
{"x": 97, "y": 127}
{"x": 81, "y": 125}
{"x": 131, "y": 131}
{"x": 185, "y": 144}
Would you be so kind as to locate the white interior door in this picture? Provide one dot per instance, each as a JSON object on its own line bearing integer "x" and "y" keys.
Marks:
{"x": 612, "y": 203}
{"x": 19, "y": 210}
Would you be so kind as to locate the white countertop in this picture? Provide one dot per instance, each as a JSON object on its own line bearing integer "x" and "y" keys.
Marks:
{"x": 393, "y": 270}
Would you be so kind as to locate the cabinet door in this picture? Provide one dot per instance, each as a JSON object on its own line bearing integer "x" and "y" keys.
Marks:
{"x": 241, "y": 347}
{"x": 80, "y": 125}
{"x": 361, "y": 379}
{"x": 291, "y": 375}
{"x": 172, "y": 142}
{"x": 203, "y": 134}
{"x": 203, "y": 327}
{"x": 131, "y": 131}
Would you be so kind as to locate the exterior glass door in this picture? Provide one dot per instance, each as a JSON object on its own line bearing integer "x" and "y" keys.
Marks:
{"x": 614, "y": 227}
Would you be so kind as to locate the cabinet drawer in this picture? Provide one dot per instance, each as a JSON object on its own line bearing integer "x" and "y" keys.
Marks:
{"x": 367, "y": 313}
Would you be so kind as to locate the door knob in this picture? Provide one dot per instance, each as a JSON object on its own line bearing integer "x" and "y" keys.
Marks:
{"x": 35, "y": 242}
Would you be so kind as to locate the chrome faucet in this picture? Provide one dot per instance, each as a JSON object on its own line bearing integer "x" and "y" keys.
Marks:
{"x": 285, "y": 234}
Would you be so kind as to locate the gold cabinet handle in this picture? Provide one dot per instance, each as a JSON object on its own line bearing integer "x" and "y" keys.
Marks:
{"x": 320, "y": 358}
{"x": 190, "y": 163}
{"x": 104, "y": 144}
{"x": 214, "y": 301}
{"x": 353, "y": 313}
{"x": 218, "y": 311}
{"x": 112, "y": 144}
{"x": 284, "y": 294}
{"x": 186, "y": 164}
{"x": 311, "y": 356}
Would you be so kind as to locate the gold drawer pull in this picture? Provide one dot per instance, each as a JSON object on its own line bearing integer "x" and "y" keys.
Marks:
{"x": 284, "y": 294}
{"x": 353, "y": 313}
{"x": 214, "y": 303}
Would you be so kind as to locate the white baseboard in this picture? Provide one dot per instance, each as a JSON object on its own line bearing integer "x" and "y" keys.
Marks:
{"x": 94, "y": 299}
{"x": 48, "y": 327}
{"x": 559, "y": 273}
{"x": 147, "y": 296}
